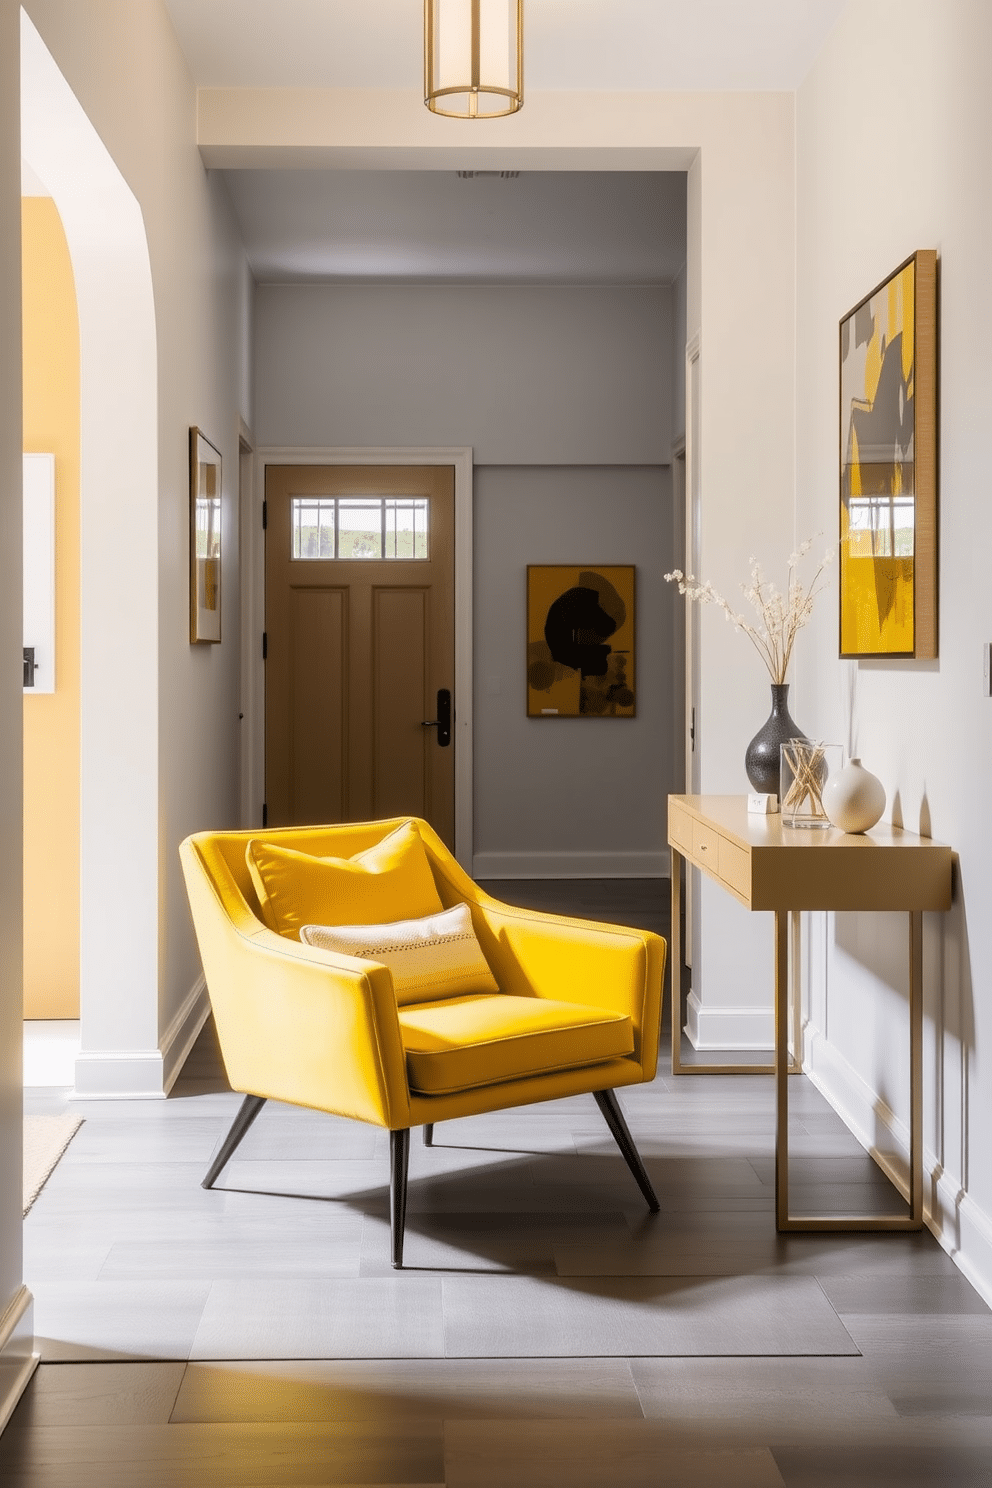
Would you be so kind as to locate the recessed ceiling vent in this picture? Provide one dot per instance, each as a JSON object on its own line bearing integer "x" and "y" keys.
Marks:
{"x": 501, "y": 175}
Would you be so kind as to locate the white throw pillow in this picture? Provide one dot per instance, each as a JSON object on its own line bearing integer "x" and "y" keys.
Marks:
{"x": 433, "y": 958}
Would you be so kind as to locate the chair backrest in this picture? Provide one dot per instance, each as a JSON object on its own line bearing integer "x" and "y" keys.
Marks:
{"x": 221, "y": 857}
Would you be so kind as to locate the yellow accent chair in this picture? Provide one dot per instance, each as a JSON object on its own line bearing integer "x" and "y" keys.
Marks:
{"x": 577, "y": 1010}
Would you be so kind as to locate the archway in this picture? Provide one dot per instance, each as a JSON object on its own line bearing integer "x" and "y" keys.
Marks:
{"x": 119, "y": 849}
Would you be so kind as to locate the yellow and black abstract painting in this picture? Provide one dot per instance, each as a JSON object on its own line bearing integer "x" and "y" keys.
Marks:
{"x": 888, "y": 468}
{"x": 580, "y": 641}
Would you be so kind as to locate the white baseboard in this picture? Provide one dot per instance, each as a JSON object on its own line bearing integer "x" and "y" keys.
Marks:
{"x": 728, "y": 1028}
{"x": 960, "y": 1225}
{"x": 572, "y": 864}
{"x": 182, "y": 1032}
{"x": 963, "y": 1229}
{"x": 143, "y": 1074}
{"x": 18, "y": 1359}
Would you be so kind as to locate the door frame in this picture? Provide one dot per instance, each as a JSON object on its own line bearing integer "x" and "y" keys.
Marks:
{"x": 253, "y": 618}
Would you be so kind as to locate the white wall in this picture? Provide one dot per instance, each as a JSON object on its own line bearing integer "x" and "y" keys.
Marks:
{"x": 15, "y": 1308}
{"x": 893, "y": 126}
{"x": 523, "y": 375}
{"x": 124, "y": 66}
{"x": 564, "y": 797}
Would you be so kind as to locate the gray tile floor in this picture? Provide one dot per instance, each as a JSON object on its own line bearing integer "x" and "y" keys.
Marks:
{"x": 547, "y": 1330}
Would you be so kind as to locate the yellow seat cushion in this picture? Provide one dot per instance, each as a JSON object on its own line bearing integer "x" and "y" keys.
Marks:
{"x": 390, "y": 881}
{"x": 466, "y": 1042}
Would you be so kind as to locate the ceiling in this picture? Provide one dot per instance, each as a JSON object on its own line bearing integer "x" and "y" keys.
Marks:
{"x": 569, "y": 227}
{"x": 545, "y": 227}
{"x": 570, "y": 44}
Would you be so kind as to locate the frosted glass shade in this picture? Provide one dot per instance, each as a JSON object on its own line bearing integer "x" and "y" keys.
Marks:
{"x": 473, "y": 57}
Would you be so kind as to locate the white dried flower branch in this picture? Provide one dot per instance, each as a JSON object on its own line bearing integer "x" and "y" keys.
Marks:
{"x": 780, "y": 616}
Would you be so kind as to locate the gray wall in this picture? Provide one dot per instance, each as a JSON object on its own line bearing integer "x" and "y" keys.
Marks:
{"x": 570, "y": 795}
{"x": 565, "y": 395}
{"x": 526, "y": 375}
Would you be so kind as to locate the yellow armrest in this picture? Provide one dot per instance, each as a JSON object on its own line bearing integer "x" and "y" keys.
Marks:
{"x": 605, "y": 966}
{"x": 300, "y": 1024}
{"x": 544, "y": 955}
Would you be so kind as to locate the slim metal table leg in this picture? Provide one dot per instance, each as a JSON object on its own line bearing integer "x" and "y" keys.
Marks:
{"x": 781, "y": 1067}
{"x": 675, "y": 961}
{"x": 916, "y": 1067}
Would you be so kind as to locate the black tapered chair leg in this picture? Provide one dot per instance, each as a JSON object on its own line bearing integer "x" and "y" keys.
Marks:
{"x": 429, "y": 1135}
{"x": 399, "y": 1161}
{"x": 250, "y": 1107}
{"x": 609, "y": 1105}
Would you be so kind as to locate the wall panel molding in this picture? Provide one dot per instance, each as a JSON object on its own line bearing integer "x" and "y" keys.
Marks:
{"x": 961, "y": 1226}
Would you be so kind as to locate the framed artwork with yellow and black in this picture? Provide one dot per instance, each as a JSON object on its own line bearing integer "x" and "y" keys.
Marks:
{"x": 888, "y": 466}
{"x": 580, "y": 641}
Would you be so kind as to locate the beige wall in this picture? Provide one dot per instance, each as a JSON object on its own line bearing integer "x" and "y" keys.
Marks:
{"x": 893, "y": 126}
{"x": 51, "y": 720}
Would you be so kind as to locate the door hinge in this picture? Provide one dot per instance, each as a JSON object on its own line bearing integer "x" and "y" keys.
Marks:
{"x": 265, "y": 645}
{"x": 692, "y": 733}
{"x": 265, "y": 814}
{"x": 265, "y": 515}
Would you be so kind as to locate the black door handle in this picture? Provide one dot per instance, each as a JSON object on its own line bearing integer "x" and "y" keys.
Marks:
{"x": 443, "y": 720}
{"x": 443, "y": 717}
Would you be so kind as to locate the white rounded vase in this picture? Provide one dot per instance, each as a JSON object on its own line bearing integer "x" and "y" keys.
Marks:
{"x": 854, "y": 798}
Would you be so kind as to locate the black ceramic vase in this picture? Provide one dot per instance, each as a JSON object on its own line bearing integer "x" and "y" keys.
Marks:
{"x": 761, "y": 761}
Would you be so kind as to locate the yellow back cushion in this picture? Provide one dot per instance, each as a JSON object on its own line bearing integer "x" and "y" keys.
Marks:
{"x": 390, "y": 881}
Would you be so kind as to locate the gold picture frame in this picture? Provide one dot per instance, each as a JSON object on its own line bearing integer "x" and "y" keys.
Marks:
{"x": 205, "y": 533}
{"x": 888, "y": 467}
{"x": 580, "y": 641}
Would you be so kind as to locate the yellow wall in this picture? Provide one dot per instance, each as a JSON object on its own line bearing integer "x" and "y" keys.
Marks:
{"x": 51, "y": 722}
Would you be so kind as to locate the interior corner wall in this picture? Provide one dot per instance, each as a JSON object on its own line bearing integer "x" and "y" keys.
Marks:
{"x": 123, "y": 63}
{"x": 740, "y": 317}
{"x": 679, "y": 341}
{"x": 893, "y": 125}
{"x": 51, "y": 720}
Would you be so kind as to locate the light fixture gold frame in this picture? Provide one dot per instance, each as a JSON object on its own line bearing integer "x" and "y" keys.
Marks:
{"x": 442, "y": 98}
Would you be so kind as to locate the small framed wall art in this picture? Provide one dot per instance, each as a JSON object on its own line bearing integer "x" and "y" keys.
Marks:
{"x": 204, "y": 538}
{"x": 888, "y": 466}
{"x": 580, "y": 641}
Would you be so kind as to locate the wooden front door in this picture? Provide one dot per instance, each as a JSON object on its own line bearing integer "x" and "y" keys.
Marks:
{"x": 359, "y": 617}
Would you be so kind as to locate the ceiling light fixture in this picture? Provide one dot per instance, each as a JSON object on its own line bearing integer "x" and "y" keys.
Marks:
{"x": 474, "y": 57}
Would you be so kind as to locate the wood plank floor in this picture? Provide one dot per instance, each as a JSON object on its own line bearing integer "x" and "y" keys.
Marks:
{"x": 800, "y": 1360}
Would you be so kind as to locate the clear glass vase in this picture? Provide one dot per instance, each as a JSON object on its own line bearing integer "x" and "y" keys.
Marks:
{"x": 805, "y": 769}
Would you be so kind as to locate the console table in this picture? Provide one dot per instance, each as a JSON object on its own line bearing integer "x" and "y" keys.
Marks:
{"x": 785, "y": 870}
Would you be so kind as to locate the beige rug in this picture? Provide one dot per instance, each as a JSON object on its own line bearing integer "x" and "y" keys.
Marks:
{"x": 45, "y": 1140}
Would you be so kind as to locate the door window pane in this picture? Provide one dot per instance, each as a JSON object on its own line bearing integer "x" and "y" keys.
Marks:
{"x": 313, "y": 527}
{"x": 356, "y": 527}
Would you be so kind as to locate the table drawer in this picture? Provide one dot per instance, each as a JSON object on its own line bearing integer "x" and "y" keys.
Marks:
{"x": 706, "y": 848}
{"x": 735, "y": 867}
